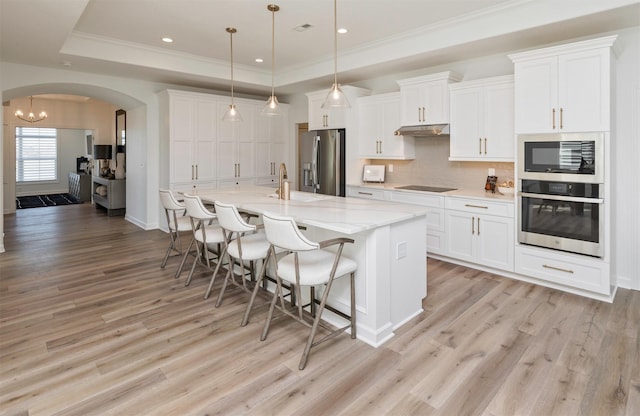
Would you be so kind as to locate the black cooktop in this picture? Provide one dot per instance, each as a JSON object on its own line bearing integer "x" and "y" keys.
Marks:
{"x": 425, "y": 188}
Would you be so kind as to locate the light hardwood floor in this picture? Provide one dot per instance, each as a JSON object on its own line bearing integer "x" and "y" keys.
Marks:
{"x": 90, "y": 325}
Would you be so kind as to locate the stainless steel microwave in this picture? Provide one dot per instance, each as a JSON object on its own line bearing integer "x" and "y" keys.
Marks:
{"x": 567, "y": 157}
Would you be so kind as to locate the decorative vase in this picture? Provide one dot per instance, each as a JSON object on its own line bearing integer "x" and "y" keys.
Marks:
{"x": 119, "y": 166}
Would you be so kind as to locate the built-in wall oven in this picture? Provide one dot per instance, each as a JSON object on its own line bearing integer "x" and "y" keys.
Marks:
{"x": 561, "y": 192}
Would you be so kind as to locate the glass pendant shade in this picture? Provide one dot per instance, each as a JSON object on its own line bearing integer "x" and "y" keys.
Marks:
{"x": 272, "y": 108}
{"x": 336, "y": 98}
{"x": 232, "y": 114}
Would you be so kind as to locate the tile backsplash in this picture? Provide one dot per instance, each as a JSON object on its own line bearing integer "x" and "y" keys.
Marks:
{"x": 432, "y": 167}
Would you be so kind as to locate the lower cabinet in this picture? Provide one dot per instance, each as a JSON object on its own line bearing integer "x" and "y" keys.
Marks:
{"x": 480, "y": 232}
{"x": 564, "y": 268}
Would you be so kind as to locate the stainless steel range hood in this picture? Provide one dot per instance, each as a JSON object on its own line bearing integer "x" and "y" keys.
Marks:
{"x": 431, "y": 130}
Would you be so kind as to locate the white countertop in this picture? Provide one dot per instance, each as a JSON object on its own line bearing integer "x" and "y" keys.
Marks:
{"x": 466, "y": 193}
{"x": 343, "y": 215}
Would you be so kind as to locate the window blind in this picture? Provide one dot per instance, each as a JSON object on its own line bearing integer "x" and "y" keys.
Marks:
{"x": 36, "y": 154}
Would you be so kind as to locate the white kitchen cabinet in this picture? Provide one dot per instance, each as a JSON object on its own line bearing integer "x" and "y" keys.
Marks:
{"x": 564, "y": 88}
{"x": 272, "y": 146}
{"x": 425, "y": 99}
{"x": 436, "y": 229}
{"x": 190, "y": 129}
{"x": 379, "y": 118}
{"x": 566, "y": 269}
{"x": 236, "y": 142}
{"x": 482, "y": 120}
{"x": 324, "y": 118}
{"x": 480, "y": 232}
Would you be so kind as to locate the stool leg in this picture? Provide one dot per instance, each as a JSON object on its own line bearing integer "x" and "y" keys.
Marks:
{"x": 215, "y": 272}
{"x": 272, "y": 306}
{"x": 172, "y": 247}
{"x": 261, "y": 275}
{"x": 353, "y": 306}
{"x": 314, "y": 327}
{"x": 184, "y": 259}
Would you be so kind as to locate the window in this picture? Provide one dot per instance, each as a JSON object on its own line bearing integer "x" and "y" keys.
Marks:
{"x": 36, "y": 154}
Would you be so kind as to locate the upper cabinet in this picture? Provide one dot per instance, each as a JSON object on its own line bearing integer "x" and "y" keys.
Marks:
{"x": 482, "y": 120}
{"x": 191, "y": 135}
{"x": 379, "y": 118}
{"x": 565, "y": 88}
{"x": 425, "y": 100}
{"x": 324, "y": 118}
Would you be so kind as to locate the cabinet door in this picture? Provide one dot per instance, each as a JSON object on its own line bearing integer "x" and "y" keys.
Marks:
{"x": 461, "y": 228}
{"x": 536, "y": 89}
{"x": 182, "y": 169}
{"x": 317, "y": 115}
{"x": 394, "y": 146}
{"x": 205, "y": 152}
{"x": 495, "y": 242}
{"x": 465, "y": 139}
{"x": 370, "y": 123}
{"x": 245, "y": 158}
{"x": 498, "y": 123}
{"x": 584, "y": 90}
{"x": 411, "y": 105}
{"x": 435, "y": 96}
{"x": 227, "y": 163}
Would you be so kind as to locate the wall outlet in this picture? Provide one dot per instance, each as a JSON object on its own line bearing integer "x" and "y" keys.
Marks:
{"x": 390, "y": 168}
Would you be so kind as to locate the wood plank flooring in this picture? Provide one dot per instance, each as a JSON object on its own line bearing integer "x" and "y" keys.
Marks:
{"x": 90, "y": 325}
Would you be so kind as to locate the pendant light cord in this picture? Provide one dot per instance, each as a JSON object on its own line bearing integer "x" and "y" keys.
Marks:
{"x": 335, "y": 42}
{"x": 273, "y": 47}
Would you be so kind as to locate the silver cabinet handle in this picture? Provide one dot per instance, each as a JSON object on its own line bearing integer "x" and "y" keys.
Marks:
{"x": 480, "y": 145}
{"x": 553, "y": 118}
{"x": 562, "y": 198}
{"x": 473, "y": 230}
{"x": 196, "y": 172}
{"x": 192, "y": 174}
{"x": 485, "y": 145}
{"x": 475, "y": 206}
{"x": 424, "y": 117}
{"x": 419, "y": 115}
{"x": 546, "y": 266}
{"x": 365, "y": 193}
{"x": 561, "y": 126}
{"x": 478, "y": 225}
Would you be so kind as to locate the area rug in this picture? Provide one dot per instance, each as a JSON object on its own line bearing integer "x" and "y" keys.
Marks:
{"x": 37, "y": 201}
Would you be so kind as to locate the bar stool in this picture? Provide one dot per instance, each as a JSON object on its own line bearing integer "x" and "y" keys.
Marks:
{"x": 308, "y": 264}
{"x": 177, "y": 222}
{"x": 242, "y": 243}
{"x": 207, "y": 235}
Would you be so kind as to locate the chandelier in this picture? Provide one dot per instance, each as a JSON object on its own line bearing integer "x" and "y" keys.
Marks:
{"x": 31, "y": 117}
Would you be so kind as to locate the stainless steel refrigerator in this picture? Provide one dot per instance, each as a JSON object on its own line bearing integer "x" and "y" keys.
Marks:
{"x": 321, "y": 162}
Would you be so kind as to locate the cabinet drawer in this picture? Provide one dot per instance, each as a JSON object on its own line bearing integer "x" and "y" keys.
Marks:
{"x": 478, "y": 206}
{"x": 367, "y": 193}
{"x": 424, "y": 199}
{"x": 583, "y": 273}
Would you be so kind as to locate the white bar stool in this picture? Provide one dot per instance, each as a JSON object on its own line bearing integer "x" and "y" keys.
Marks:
{"x": 308, "y": 265}
{"x": 207, "y": 235}
{"x": 177, "y": 222}
{"x": 242, "y": 243}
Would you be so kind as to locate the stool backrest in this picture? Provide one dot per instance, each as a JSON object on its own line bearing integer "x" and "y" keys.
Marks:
{"x": 196, "y": 209}
{"x": 169, "y": 201}
{"x": 283, "y": 232}
{"x": 229, "y": 218}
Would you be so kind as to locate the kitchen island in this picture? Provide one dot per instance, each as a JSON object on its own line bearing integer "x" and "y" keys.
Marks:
{"x": 390, "y": 249}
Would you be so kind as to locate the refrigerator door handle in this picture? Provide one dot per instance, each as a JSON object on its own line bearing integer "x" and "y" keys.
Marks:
{"x": 314, "y": 164}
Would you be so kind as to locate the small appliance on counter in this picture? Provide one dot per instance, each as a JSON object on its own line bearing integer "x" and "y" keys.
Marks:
{"x": 373, "y": 173}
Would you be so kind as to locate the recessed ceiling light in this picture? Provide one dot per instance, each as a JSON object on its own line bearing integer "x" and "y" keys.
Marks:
{"x": 259, "y": 60}
{"x": 167, "y": 40}
{"x": 342, "y": 30}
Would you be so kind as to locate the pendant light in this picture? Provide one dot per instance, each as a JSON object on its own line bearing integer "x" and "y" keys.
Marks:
{"x": 335, "y": 98}
{"x": 272, "y": 107}
{"x": 232, "y": 113}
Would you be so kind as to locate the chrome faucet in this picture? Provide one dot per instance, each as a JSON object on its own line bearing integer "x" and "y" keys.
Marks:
{"x": 282, "y": 175}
